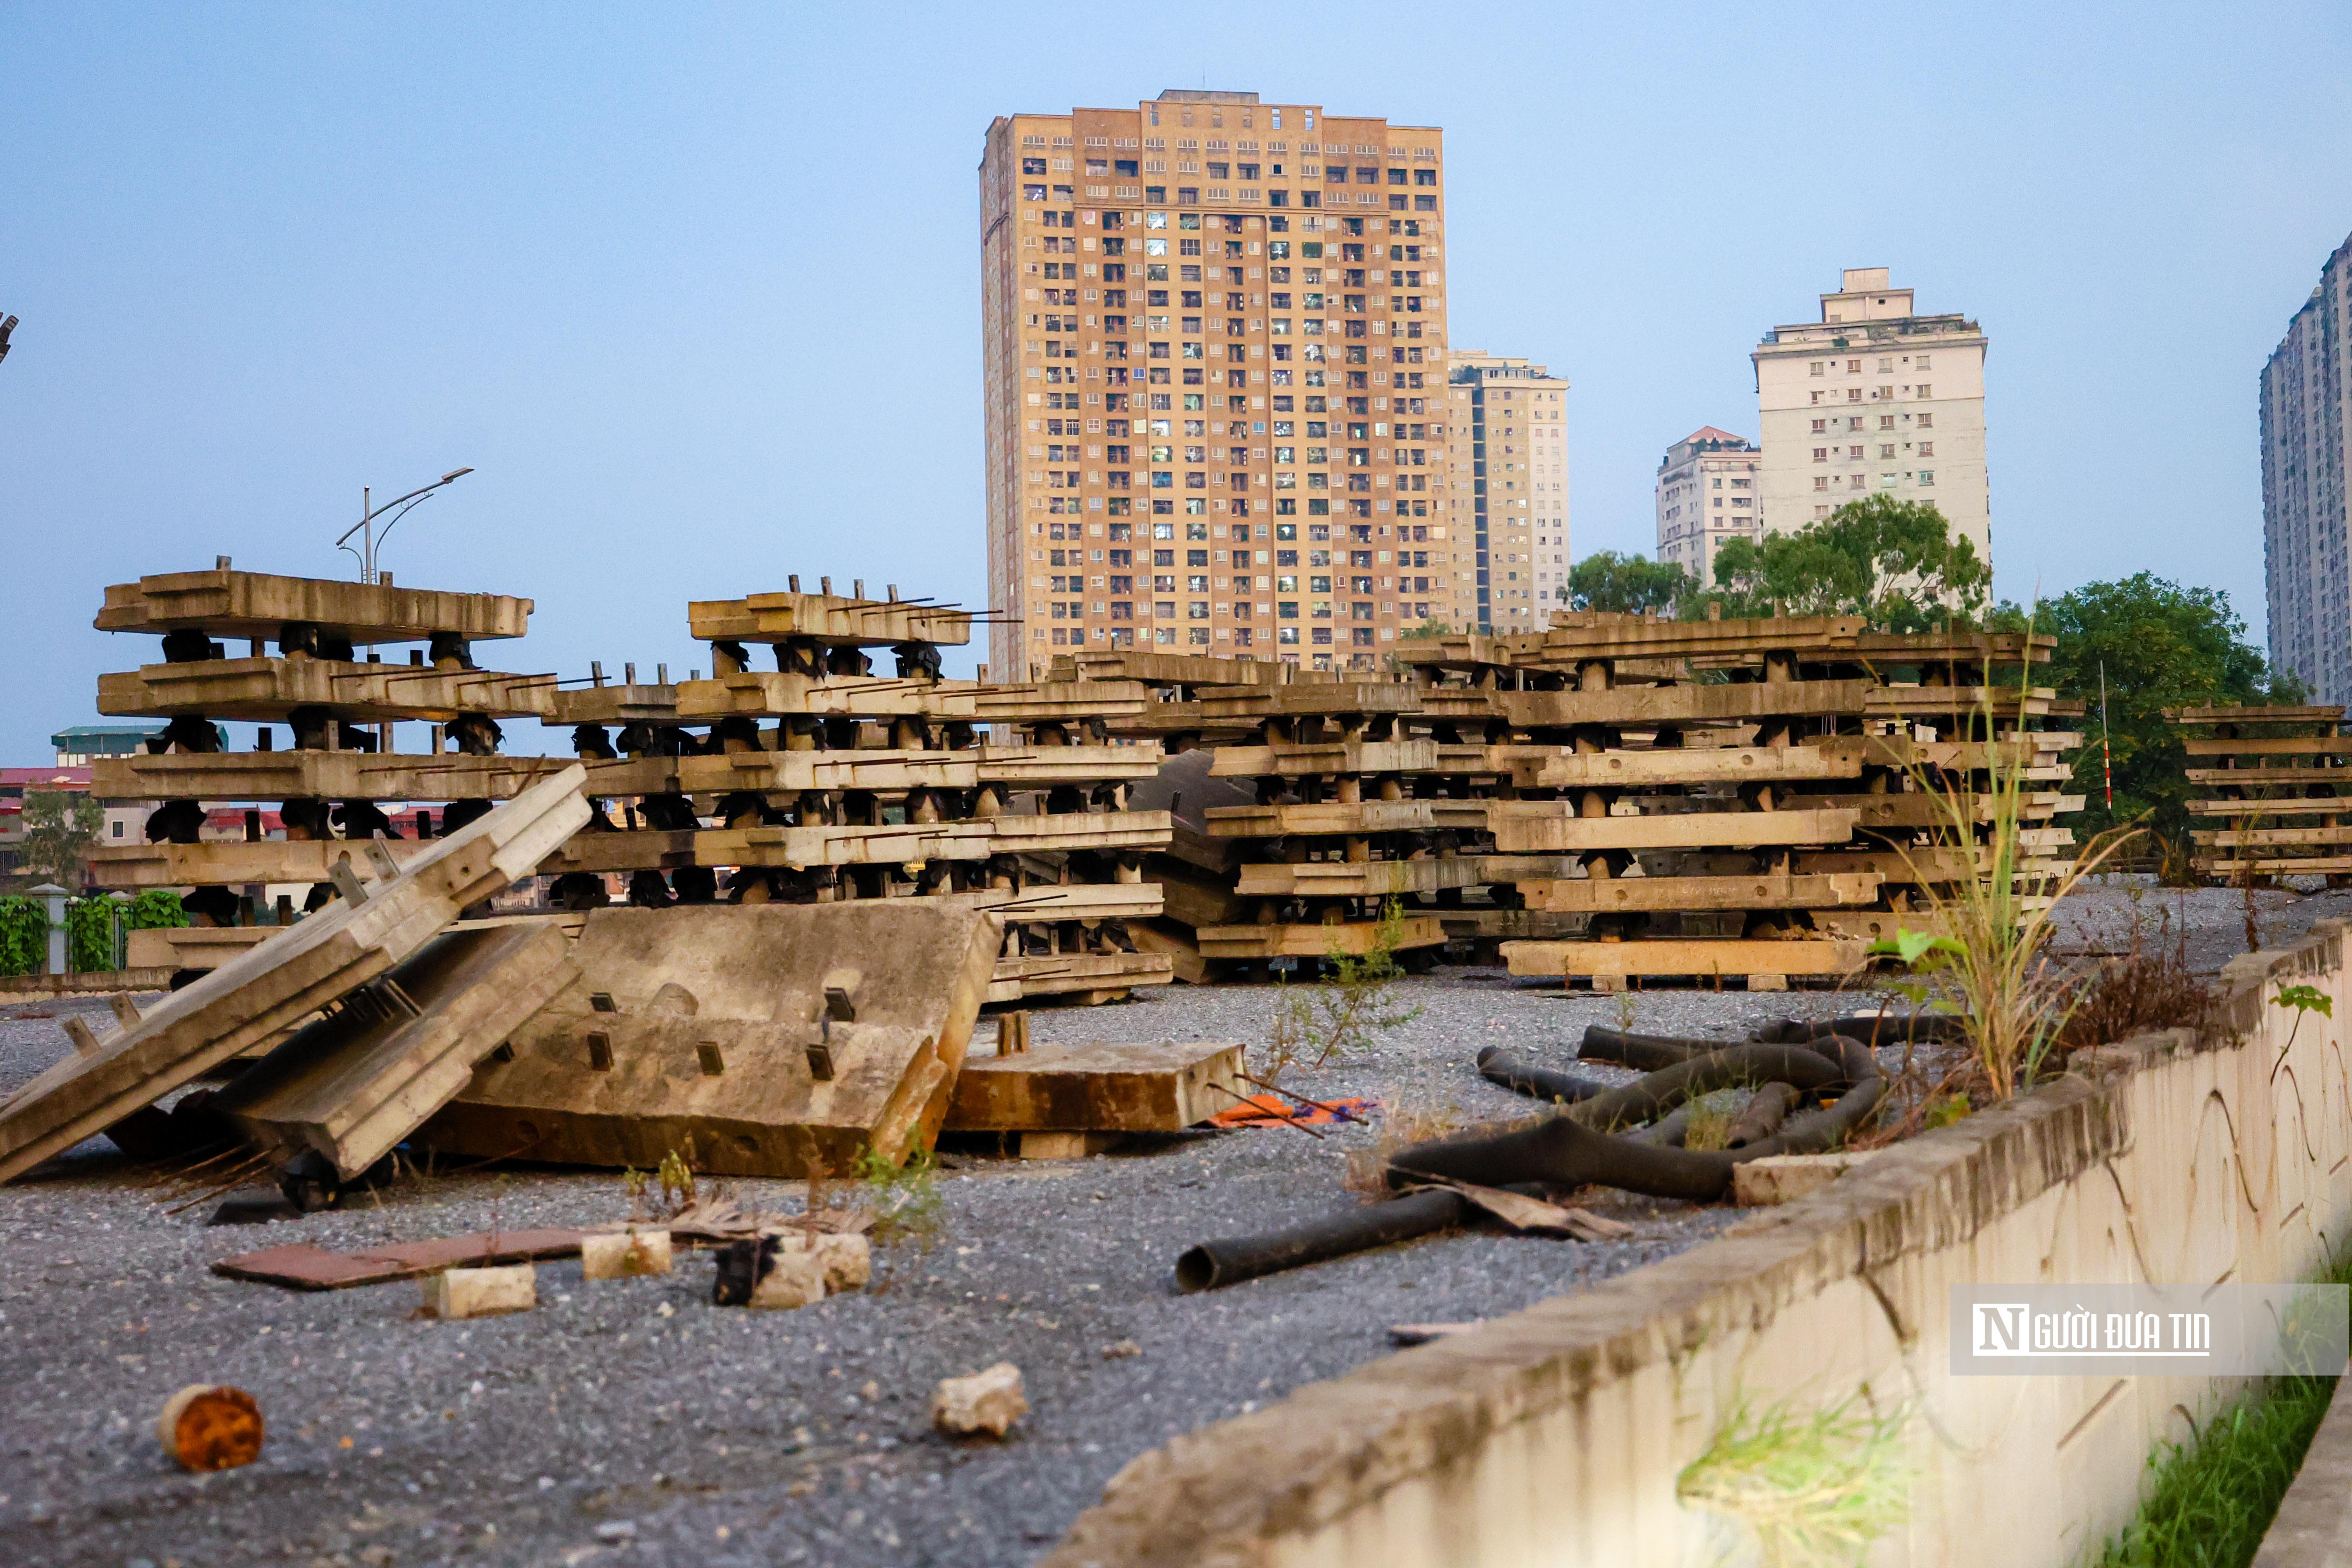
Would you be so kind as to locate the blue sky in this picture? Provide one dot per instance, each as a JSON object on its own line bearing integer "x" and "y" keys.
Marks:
{"x": 696, "y": 290}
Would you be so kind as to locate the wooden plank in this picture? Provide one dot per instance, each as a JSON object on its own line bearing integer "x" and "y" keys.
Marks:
{"x": 718, "y": 1022}
{"x": 318, "y": 960}
{"x": 1196, "y": 898}
{"x": 1089, "y": 902}
{"x": 1544, "y": 827}
{"x": 2240, "y": 714}
{"x": 1100, "y": 974}
{"x": 1589, "y": 895}
{"x": 304, "y": 1266}
{"x": 193, "y": 947}
{"x": 2272, "y": 838}
{"x": 267, "y": 690}
{"x": 1593, "y": 634}
{"x": 1345, "y": 817}
{"x": 1700, "y": 956}
{"x": 1100, "y": 1087}
{"x": 771, "y": 694}
{"x": 889, "y": 844}
{"x": 1742, "y": 702}
{"x": 832, "y": 620}
{"x": 1508, "y": 925}
{"x": 1324, "y": 758}
{"x": 1014, "y": 766}
{"x": 1311, "y": 700}
{"x": 355, "y": 1083}
{"x": 1246, "y": 942}
{"x": 2270, "y": 746}
{"x": 1381, "y": 879}
{"x": 250, "y": 605}
{"x": 233, "y": 863}
{"x": 1959, "y": 701}
{"x": 2268, "y": 778}
{"x": 2273, "y": 807}
{"x": 320, "y": 775}
{"x": 637, "y": 703}
{"x": 2277, "y": 866}
{"x": 1184, "y": 670}
{"x": 1700, "y": 765}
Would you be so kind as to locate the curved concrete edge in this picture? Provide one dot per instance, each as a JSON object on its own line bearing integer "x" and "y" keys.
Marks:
{"x": 1309, "y": 1478}
{"x": 2314, "y": 1525}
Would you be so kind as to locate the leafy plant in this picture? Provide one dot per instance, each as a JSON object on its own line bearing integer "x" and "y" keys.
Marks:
{"x": 1709, "y": 1124}
{"x": 676, "y": 1176}
{"x": 1988, "y": 939}
{"x": 156, "y": 909}
{"x": 905, "y": 1198}
{"x": 89, "y": 934}
{"x": 1342, "y": 1012}
{"x": 1804, "y": 1489}
{"x": 2301, "y": 999}
{"x": 24, "y": 935}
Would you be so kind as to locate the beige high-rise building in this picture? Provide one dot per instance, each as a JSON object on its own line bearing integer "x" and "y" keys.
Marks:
{"x": 1214, "y": 335}
{"x": 1873, "y": 397}
{"x": 1511, "y": 476}
{"x": 1707, "y": 495}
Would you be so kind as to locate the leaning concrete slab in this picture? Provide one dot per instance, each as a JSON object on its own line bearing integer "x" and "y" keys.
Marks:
{"x": 768, "y": 1034}
{"x": 355, "y": 1083}
{"x": 1099, "y": 1086}
{"x": 270, "y": 986}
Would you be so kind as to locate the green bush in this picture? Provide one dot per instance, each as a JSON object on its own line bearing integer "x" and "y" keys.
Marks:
{"x": 89, "y": 935}
{"x": 24, "y": 935}
{"x": 156, "y": 909}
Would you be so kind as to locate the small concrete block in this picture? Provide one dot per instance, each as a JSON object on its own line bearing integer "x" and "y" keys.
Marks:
{"x": 794, "y": 1279}
{"x": 625, "y": 1255}
{"x": 1065, "y": 1145}
{"x": 1785, "y": 1178}
{"x": 988, "y": 1402}
{"x": 848, "y": 1260}
{"x": 1768, "y": 983}
{"x": 481, "y": 1292}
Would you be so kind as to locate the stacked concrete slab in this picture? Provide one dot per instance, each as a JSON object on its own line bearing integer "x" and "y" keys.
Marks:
{"x": 1344, "y": 800}
{"x": 821, "y": 780}
{"x": 1739, "y": 796}
{"x": 2274, "y": 782}
{"x": 314, "y": 661}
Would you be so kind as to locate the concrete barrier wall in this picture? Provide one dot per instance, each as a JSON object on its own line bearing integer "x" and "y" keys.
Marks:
{"x": 1557, "y": 1435}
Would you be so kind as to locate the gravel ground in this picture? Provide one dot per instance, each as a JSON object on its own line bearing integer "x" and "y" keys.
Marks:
{"x": 632, "y": 1421}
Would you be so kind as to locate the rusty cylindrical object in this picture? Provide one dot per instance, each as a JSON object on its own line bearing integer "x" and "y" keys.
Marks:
{"x": 206, "y": 1426}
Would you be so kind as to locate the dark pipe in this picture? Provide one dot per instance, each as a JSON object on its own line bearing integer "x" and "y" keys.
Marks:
{"x": 1563, "y": 1152}
{"x": 1871, "y": 1028}
{"x": 1661, "y": 1092}
{"x": 1762, "y": 1115}
{"x": 1216, "y": 1263}
{"x": 1668, "y": 1134}
{"x": 1647, "y": 1053}
{"x": 1514, "y": 1071}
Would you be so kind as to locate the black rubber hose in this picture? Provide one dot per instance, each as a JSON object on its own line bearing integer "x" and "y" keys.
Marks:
{"x": 1871, "y": 1028}
{"x": 1661, "y": 1092}
{"x": 1563, "y": 1152}
{"x": 1647, "y": 1053}
{"x": 1762, "y": 1115}
{"x": 1213, "y": 1264}
{"x": 1514, "y": 1071}
{"x": 1668, "y": 1134}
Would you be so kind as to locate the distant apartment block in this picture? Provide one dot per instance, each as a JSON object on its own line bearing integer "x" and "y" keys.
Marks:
{"x": 1214, "y": 350}
{"x": 1873, "y": 398}
{"x": 1708, "y": 493}
{"x": 1509, "y": 465}
{"x": 2306, "y": 528}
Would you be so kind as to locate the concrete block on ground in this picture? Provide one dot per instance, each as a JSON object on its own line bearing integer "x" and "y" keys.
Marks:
{"x": 1785, "y": 1178}
{"x": 625, "y": 1255}
{"x": 481, "y": 1292}
{"x": 989, "y": 1400}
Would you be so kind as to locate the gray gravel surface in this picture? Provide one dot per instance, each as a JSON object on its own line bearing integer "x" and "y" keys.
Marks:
{"x": 633, "y": 1422}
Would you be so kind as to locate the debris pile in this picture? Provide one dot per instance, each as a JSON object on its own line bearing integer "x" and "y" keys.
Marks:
{"x": 2275, "y": 779}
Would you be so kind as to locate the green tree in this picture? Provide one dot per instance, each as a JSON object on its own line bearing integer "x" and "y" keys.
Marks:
{"x": 1628, "y": 584}
{"x": 1894, "y": 562}
{"x": 59, "y": 829}
{"x": 2161, "y": 646}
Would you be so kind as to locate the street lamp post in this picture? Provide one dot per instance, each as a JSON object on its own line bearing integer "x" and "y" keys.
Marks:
{"x": 371, "y": 536}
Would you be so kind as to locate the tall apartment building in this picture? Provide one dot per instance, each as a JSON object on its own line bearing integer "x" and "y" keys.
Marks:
{"x": 1215, "y": 368}
{"x": 1873, "y": 397}
{"x": 1509, "y": 479}
{"x": 1708, "y": 492}
{"x": 2307, "y": 407}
